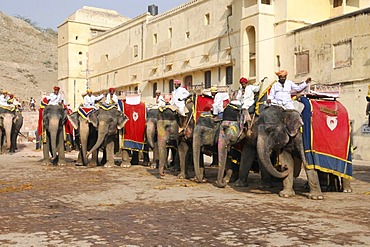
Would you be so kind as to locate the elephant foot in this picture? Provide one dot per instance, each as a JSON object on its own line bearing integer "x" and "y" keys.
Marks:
{"x": 92, "y": 165}
{"x": 221, "y": 185}
{"x": 315, "y": 196}
{"x": 287, "y": 193}
{"x": 195, "y": 179}
{"x": 347, "y": 186}
{"x": 161, "y": 172}
{"x": 265, "y": 185}
{"x": 348, "y": 190}
{"x": 109, "y": 165}
{"x": 126, "y": 165}
{"x": 240, "y": 183}
{"x": 46, "y": 163}
{"x": 62, "y": 164}
{"x": 181, "y": 176}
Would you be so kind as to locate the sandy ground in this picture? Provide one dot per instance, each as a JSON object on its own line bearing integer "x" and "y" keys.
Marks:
{"x": 77, "y": 206}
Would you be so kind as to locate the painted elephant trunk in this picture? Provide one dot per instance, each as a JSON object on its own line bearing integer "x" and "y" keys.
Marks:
{"x": 222, "y": 157}
{"x": 103, "y": 132}
{"x": 150, "y": 133}
{"x": 264, "y": 155}
{"x": 53, "y": 129}
{"x": 8, "y": 130}
{"x": 196, "y": 157}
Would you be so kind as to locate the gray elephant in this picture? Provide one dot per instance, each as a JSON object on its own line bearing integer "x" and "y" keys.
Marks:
{"x": 87, "y": 135}
{"x": 168, "y": 130}
{"x": 53, "y": 118}
{"x": 277, "y": 132}
{"x": 11, "y": 121}
{"x": 151, "y": 133}
{"x": 107, "y": 121}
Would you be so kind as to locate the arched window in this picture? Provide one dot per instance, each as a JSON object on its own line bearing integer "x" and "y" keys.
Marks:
{"x": 188, "y": 81}
{"x": 154, "y": 89}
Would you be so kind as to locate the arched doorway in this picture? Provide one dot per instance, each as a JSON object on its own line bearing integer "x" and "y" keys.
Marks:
{"x": 188, "y": 81}
{"x": 249, "y": 52}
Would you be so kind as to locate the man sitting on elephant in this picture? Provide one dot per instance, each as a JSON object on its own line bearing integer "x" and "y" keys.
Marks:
{"x": 246, "y": 97}
{"x": 55, "y": 98}
{"x": 90, "y": 99}
{"x": 280, "y": 93}
{"x": 111, "y": 97}
{"x": 4, "y": 97}
{"x": 218, "y": 102}
{"x": 179, "y": 95}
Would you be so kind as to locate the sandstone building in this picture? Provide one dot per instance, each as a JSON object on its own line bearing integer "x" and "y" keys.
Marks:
{"x": 215, "y": 42}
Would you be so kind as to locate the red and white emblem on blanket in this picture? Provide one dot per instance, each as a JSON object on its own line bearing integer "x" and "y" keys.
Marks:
{"x": 135, "y": 116}
{"x": 331, "y": 122}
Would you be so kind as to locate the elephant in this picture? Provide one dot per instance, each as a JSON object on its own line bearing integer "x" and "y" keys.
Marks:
{"x": 205, "y": 140}
{"x": 151, "y": 133}
{"x": 87, "y": 135}
{"x": 277, "y": 132}
{"x": 168, "y": 129}
{"x": 54, "y": 118}
{"x": 11, "y": 121}
{"x": 108, "y": 122}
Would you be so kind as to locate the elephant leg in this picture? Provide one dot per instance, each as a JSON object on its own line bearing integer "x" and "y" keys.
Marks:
{"x": 155, "y": 162}
{"x": 246, "y": 162}
{"x": 146, "y": 159}
{"x": 346, "y": 184}
{"x": 287, "y": 159}
{"x": 94, "y": 160}
{"x": 134, "y": 158}
{"x": 314, "y": 184}
{"x": 266, "y": 178}
{"x": 182, "y": 151}
{"x": 61, "y": 152}
{"x": 110, "y": 155}
{"x": 214, "y": 160}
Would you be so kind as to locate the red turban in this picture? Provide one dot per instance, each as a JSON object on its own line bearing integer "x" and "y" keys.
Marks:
{"x": 282, "y": 73}
{"x": 177, "y": 82}
{"x": 112, "y": 89}
{"x": 243, "y": 80}
{"x": 56, "y": 88}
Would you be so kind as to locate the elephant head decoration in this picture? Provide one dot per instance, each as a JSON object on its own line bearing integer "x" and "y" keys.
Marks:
{"x": 11, "y": 122}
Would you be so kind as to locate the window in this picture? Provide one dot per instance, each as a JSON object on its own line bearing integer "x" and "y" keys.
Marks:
{"x": 266, "y": 2}
{"x": 170, "y": 32}
{"x": 169, "y": 67}
{"x": 229, "y": 10}
{"x": 278, "y": 64}
{"x": 229, "y": 75}
{"x": 188, "y": 81}
{"x": 337, "y": 3}
{"x": 207, "y": 79}
{"x": 302, "y": 61}
{"x": 136, "y": 51}
{"x": 155, "y": 38}
{"x": 80, "y": 62}
{"x": 342, "y": 54}
{"x": 187, "y": 35}
{"x": 206, "y": 19}
{"x": 170, "y": 84}
{"x": 106, "y": 57}
{"x": 154, "y": 89}
{"x": 76, "y": 37}
{"x": 80, "y": 53}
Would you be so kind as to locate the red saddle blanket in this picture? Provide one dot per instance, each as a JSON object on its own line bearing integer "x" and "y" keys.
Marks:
{"x": 133, "y": 137}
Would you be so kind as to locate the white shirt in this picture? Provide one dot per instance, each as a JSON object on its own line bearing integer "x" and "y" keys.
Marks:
{"x": 179, "y": 93}
{"x": 4, "y": 100}
{"x": 89, "y": 101}
{"x": 247, "y": 99}
{"x": 218, "y": 103}
{"x": 281, "y": 95}
{"x": 55, "y": 99}
{"x": 110, "y": 101}
{"x": 160, "y": 101}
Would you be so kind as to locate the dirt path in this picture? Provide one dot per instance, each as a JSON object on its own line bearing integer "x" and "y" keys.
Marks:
{"x": 76, "y": 206}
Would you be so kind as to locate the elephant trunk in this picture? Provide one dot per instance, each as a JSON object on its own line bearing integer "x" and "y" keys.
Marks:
{"x": 196, "y": 157}
{"x": 163, "y": 137}
{"x": 222, "y": 157}
{"x": 8, "y": 122}
{"x": 150, "y": 133}
{"x": 102, "y": 134}
{"x": 53, "y": 131}
{"x": 264, "y": 155}
{"x": 84, "y": 134}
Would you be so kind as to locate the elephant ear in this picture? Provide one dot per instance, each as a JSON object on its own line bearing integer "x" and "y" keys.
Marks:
{"x": 121, "y": 120}
{"x": 93, "y": 118}
{"x": 73, "y": 119}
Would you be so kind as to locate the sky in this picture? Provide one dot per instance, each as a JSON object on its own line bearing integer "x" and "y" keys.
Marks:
{"x": 51, "y": 13}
